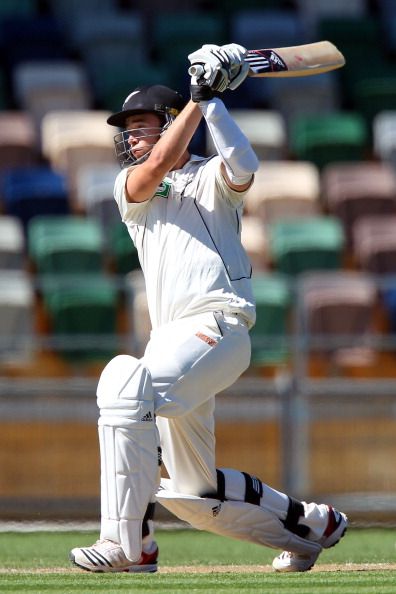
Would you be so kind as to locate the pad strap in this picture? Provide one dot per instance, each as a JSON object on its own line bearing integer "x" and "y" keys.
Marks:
{"x": 254, "y": 489}
{"x": 294, "y": 513}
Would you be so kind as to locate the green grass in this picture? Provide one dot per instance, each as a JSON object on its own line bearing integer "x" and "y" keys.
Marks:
{"x": 35, "y": 561}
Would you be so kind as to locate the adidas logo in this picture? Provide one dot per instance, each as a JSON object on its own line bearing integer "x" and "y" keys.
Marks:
{"x": 147, "y": 417}
{"x": 216, "y": 510}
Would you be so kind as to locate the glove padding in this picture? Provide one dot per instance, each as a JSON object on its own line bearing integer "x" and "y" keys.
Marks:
{"x": 223, "y": 66}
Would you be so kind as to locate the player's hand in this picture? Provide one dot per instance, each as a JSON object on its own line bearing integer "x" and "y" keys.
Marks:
{"x": 238, "y": 69}
{"x": 209, "y": 69}
{"x": 215, "y": 68}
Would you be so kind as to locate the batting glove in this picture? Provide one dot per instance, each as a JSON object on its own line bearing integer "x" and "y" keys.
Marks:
{"x": 215, "y": 69}
{"x": 238, "y": 69}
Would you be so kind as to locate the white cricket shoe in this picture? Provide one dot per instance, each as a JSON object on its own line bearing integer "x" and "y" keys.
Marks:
{"x": 336, "y": 528}
{"x": 108, "y": 556}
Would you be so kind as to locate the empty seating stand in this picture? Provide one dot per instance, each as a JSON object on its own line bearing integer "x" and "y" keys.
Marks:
{"x": 336, "y": 314}
{"x": 353, "y": 190}
{"x": 265, "y": 130}
{"x": 322, "y": 139}
{"x": 374, "y": 243}
{"x": 33, "y": 191}
{"x": 83, "y": 314}
{"x": 65, "y": 245}
{"x": 273, "y": 309}
{"x": 284, "y": 189}
{"x": 312, "y": 243}
{"x": 12, "y": 243}
{"x": 17, "y": 315}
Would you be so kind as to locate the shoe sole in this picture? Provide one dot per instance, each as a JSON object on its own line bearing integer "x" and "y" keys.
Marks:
{"x": 309, "y": 568}
{"x": 135, "y": 569}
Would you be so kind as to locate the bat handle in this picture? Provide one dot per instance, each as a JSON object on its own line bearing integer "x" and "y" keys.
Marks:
{"x": 196, "y": 70}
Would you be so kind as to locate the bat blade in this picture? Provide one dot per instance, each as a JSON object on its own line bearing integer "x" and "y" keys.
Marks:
{"x": 299, "y": 60}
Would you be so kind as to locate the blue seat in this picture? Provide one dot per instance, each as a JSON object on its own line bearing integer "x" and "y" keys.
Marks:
{"x": 266, "y": 28}
{"x": 36, "y": 38}
{"x": 28, "y": 192}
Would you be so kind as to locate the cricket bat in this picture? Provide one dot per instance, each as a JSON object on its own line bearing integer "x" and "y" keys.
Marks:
{"x": 298, "y": 60}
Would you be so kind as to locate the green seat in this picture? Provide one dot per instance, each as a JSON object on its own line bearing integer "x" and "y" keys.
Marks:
{"x": 122, "y": 250}
{"x": 116, "y": 82}
{"x": 374, "y": 94}
{"x": 269, "y": 334}
{"x": 360, "y": 40}
{"x": 323, "y": 139}
{"x": 65, "y": 244}
{"x": 314, "y": 243}
{"x": 82, "y": 310}
{"x": 10, "y": 8}
{"x": 177, "y": 35}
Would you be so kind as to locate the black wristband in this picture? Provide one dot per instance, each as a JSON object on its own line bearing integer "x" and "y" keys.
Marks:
{"x": 202, "y": 93}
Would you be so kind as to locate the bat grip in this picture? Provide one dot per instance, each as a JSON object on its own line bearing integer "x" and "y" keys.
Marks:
{"x": 196, "y": 70}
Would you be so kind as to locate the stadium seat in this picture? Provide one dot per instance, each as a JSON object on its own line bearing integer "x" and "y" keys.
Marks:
{"x": 254, "y": 240}
{"x": 311, "y": 243}
{"x": 12, "y": 243}
{"x": 266, "y": 27}
{"x": 68, "y": 13}
{"x": 336, "y": 315}
{"x": 33, "y": 191}
{"x": 16, "y": 315}
{"x": 43, "y": 86}
{"x": 115, "y": 83}
{"x": 360, "y": 40}
{"x": 303, "y": 96}
{"x": 95, "y": 194}
{"x": 74, "y": 139}
{"x": 384, "y": 136}
{"x": 322, "y": 139}
{"x": 313, "y": 11}
{"x": 65, "y": 245}
{"x": 373, "y": 94}
{"x": 122, "y": 250}
{"x": 387, "y": 17}
{"x": 37, "y": 37}
{"x": 107, "y": 42}
{"x": 353, "y": 190}
{"x": 10, "y": 8}
{"x": 83, "y": 315}
{"x": 18, "y": 140}
{"x": 5, "y": 95}
{"x": 374, "y": 243}
{"x": 273, "y": 308}
{"x": 64, "y": 128}
{"x": 284, "y": 189}
{"x": 177, "y": 36}
{"x": 265, "y": 130}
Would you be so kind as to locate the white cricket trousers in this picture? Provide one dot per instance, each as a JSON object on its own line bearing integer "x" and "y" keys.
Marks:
{"x": 190, "y": 360}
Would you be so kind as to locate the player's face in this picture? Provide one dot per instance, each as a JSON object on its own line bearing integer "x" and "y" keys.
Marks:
{"x": 144, "y": 131}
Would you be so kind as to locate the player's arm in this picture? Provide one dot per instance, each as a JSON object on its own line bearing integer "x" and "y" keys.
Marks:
{"x": 224, "y": 67}
{"x": 144, "y": 179}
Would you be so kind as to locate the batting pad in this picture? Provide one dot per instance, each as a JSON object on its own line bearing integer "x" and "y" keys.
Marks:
{"x": 235, "y": 519}
{"x": 129, "y": 442}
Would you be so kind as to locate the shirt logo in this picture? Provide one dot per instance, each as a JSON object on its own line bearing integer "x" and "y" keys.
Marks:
{"x": 163, "y": 189}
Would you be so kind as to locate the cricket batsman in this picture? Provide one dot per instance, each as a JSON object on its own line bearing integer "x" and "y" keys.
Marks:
{"x": 183, "y": 213}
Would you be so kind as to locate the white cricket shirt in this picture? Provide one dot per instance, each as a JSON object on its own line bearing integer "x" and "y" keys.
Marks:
{"x": 188, "y": 241}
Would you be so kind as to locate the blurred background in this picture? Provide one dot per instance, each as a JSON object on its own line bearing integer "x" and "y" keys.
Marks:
{"x": 315, "y": 414}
